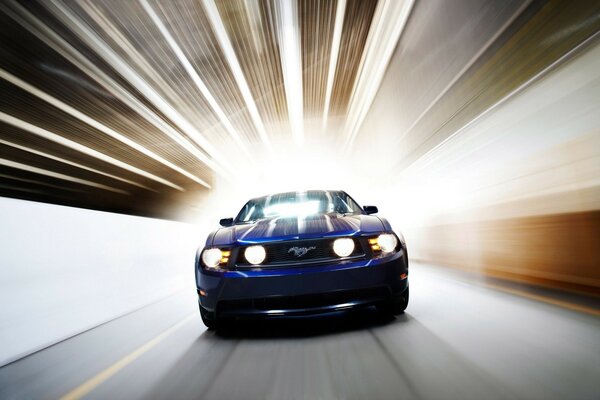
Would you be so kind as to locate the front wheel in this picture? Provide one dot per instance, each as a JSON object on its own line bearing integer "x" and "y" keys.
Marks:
{"x": 396, "y": 305}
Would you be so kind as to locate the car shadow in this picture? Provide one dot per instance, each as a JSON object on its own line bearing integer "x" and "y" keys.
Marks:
{"x": 306, "y": 326}
{"x": 199, "y": 369}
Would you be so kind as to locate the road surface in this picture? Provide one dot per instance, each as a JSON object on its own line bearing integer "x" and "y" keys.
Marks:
{"x": 457, "y": 340}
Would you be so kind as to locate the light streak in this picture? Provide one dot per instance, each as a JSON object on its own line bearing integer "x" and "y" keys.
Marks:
{"x": 387, "y": 26}
{"x": 96, "y": 124}
{"x": 93, "y": 40}
{"x": 61, "y": 46}
{"x": 36, "y": 130}
{"x": 52, "y": 174}
{"x": 223, "y": 38}
{"x": 189, "y": 68}
{"x": 333, "y": 58}
{"x": 291, "y": 63}
{"x": 65, "y": 161}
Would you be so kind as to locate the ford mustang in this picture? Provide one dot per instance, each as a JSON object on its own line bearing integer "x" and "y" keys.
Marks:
{"x": 301, "y": 253}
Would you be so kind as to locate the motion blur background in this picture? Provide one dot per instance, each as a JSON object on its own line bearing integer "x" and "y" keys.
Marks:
{"x": 128, "y": 128}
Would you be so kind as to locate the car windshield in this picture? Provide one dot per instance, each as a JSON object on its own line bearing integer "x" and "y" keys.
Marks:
{"x": 298, "y": 204}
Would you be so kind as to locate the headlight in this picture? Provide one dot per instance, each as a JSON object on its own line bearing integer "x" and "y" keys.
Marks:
{"x": 387, "y": 242}
{"x": 343, "y": 247}
{"x": 255, "y": 254}
{"x": 213, "y": 257}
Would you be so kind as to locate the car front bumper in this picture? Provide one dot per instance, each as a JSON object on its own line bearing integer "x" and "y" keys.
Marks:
{"x": 301, "y": 290}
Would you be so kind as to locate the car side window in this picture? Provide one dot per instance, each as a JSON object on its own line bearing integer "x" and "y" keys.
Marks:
{"x": 341, "y": 206}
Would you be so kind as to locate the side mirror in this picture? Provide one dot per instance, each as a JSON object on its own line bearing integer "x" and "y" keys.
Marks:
{"x": 370, "y": 210}
{"x": 226, "y": 222}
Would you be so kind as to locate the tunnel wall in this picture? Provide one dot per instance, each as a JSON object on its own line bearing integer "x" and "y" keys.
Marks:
{"x": 560, "y": 250}
{"x": 534, "y": 218}
{"x": 510, "y": 190}
{"x": 65, "y": 270}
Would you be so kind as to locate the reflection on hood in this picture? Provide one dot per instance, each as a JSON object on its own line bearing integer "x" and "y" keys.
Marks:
{"x": 273, "y": 229}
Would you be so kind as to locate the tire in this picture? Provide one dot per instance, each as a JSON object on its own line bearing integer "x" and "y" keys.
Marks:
{"x": 209, "y": 319}
{"x": 395, "y": 306}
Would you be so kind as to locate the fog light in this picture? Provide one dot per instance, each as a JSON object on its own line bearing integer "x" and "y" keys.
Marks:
{"x": 255, "y": 254}
{"x": 343, "y": 247}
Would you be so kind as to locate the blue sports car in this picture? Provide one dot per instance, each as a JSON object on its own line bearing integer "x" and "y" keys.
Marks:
{"x": 301, "y": 253}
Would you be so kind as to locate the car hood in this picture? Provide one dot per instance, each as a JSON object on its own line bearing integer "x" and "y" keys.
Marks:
{"x": 275, "y": 229}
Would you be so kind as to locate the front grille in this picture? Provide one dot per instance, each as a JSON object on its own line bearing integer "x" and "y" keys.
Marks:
{"x": 305, "y": 301}
{"x": 319, "y": 299}
{"x": 282, "y": 253}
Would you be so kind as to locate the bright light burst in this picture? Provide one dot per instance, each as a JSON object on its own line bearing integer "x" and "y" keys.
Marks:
{"x": 293, "y": 209}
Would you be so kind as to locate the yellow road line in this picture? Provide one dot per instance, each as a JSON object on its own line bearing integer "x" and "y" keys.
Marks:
{"x": 104, "y": 375}
{"x": 559, "y": 303}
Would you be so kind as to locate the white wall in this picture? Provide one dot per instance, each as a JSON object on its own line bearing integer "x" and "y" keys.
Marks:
{"x": 64, "y": 270}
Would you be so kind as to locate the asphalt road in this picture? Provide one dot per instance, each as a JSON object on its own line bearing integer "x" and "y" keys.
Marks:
{"x": 457, "y": 340}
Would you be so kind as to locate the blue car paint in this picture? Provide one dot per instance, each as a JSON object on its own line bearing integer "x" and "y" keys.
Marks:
{"x": 278, "y": 229}
{"x": 363, "y": 274}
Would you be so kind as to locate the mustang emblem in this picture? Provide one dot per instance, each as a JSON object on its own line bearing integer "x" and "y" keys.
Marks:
{"x": 300, "y": 251}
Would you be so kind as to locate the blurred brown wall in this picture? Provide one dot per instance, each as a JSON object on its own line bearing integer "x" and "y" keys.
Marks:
{"x": 561, "y": 250}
